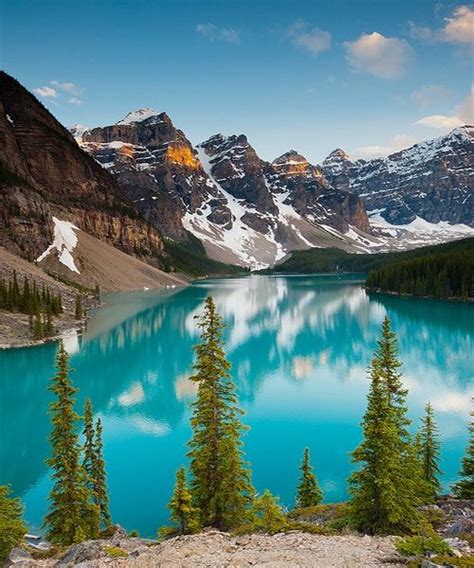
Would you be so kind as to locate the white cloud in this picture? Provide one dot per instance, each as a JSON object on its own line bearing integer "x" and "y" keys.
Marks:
{"x": 74, "y": 101}
{"x": 459, "y": 28}
{"x": 429, "y": 95}
{"x": 212, "y": 32}
{"x": 385, "y": 57}
{"x": 46, "y": 92}
{"x": 464, "y": 114}
{"x": 68, "y": 87}
{"x": 310, "y": 39}
{"x": 397, "y": 143}
{"x": 440, "y": 121}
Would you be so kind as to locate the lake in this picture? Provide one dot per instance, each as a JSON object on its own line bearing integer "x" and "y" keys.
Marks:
{"x": 299, "y": 348}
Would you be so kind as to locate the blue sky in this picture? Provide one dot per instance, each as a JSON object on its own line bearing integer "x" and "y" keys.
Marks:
{"x": 311, "y": 76}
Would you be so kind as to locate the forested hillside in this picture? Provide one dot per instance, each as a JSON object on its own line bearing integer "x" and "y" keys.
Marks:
{"x": 439, "y": 274}
{"x": 335, "y": 260}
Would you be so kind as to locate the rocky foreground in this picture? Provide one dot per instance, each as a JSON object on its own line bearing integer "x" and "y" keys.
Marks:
{"x": 213, "y": 548}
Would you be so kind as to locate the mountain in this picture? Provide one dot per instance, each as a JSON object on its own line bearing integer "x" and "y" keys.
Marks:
{"x": 55, "y": 200}
{"x": 433, "y": 180}
{"x": 243, "y": 209}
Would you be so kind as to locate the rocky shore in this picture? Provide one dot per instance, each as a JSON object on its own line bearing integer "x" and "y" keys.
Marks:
{"x": 212, "y": 548}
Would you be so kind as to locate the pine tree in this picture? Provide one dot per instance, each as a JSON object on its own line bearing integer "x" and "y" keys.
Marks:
{"x": 182, "y": 510}
{"x": 38, "y": 328}
{"x": 78, "y": 311}
{"x": 385, "y": 491}
{"x": 464, "y": 489}
{"x": 94, "y": 463}
{"x": 71, "y": 516}
{"x": 308, "y": 493}
{"x": 220, "y": 485}
{"x": 12, "y": 527}
{"x": 88, "y": 448}
{"x": 101, "y": 495}
{"x": 267, "y": 513}
{"x": 429, "y": 448}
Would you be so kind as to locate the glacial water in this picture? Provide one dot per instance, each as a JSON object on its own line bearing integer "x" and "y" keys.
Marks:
{"x": 299, "y": 348}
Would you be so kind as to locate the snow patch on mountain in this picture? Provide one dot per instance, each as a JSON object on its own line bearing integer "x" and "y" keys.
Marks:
{"x": 138, "y": 115}
{"x": 65, "y": 241}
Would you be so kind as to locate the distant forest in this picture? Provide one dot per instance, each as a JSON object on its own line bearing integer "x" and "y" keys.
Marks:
{"x": 448, "y": 274}
{"x": 440, "y": 271}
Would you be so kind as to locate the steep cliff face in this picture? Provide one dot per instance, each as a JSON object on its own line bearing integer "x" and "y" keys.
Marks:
{"x": 44, "y": 173}
{"x": 433, "y": 180}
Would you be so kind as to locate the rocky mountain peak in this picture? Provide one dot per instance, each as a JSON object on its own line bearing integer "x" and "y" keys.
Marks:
{"x": 292, "y": 164}
{"x": 139, "y": 115}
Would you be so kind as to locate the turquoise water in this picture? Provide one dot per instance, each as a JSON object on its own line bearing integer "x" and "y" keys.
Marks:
{"x": 299, "y": 348}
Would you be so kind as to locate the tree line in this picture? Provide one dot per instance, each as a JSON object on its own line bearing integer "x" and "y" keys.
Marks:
{"x": 439, "y": 275}
{"x": 39, "y": 303}
{"x": 396, "y": 473}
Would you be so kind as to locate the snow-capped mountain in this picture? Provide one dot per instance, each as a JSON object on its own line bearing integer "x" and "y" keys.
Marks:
{"x": 243, "y": 209}
{"x": 433, "y": 180}
{"x": 251, "y": 212}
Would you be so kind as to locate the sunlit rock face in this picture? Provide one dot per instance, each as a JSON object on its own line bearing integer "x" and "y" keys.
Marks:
{"x": 433, "y": 180}
{"x": 45, "y": 174}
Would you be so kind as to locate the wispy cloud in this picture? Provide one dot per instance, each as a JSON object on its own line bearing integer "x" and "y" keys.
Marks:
{"x": 384, "y": 57}
{"x": 68, "y": 87}
{"x": 429, "y": 95}
{"x": 46, "y": 92}
{"x": 74, "y": 101}
{"x": 464, "y": 114}
{"x": 59, "y": 91}
{"x": 215, "y": 33}
{"x": 311, "y": 39}
{"x": 396, "y": 144}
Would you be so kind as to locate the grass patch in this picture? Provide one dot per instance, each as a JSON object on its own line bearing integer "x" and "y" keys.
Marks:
{"x": 116, "y": 552}
{"x": 420, "y": 545}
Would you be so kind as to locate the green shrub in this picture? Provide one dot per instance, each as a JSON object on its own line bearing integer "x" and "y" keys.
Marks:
{"x": 134, "y": 534}
{"x": 420, "y": 545}
{"x": 115, "y": 552}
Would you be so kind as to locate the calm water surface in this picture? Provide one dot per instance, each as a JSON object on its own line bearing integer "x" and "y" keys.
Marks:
{"x": 299, "y": 348}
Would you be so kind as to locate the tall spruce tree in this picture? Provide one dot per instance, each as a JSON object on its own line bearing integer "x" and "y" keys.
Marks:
{"x": 308, "y": 493}
{"x": 101, "y": 494}
{"x": 12, "y": 527}
{"x": 72, "y": 516}
{"x": 94, "y": 463}
{"x": 429, "y": 448}
{"x": 88, "y": 448}
{"x": 220, "y": 485}
{"x": 385, "y": 491}
{"x": 182, "y": 510}
{"x": 464, "y": 489}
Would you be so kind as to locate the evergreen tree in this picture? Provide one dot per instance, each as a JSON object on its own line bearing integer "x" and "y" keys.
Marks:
{"x": 182, "y": 511}
{"x": 267, "y": 513}
{"x": 71, "y": 516}
{"x": 38, "y": 328}
{"x": 88, "y": 448}
{"x": 429, "y": 448}
{"x": 12, "y": 527}
{"x": 220, "y": 485}
{"x": 384, "y": 490}
{"x": 308, "y": 493}
{"x": 94, "y": 463}
{"x": 101, "y": 495}
{"x": 464, "y": 489}
{"x": 78, "y": 311}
